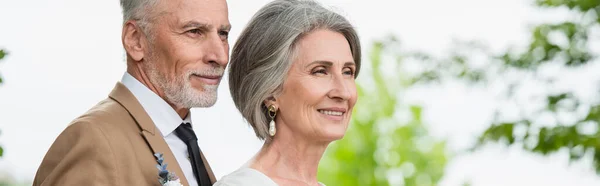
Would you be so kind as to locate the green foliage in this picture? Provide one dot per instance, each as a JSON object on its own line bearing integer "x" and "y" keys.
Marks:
{"x": 579, "y": 138}
{"x": 565, "y": 45}
{"x": 378, "y": 148}
{"x": 2, "y": 54}
{"x": 581, "y": 5}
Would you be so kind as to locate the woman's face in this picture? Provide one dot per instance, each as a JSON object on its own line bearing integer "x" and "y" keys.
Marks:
{"x": 319, "y": 92}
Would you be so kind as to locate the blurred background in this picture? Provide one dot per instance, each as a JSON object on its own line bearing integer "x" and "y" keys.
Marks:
{"x": 452, "y": 92}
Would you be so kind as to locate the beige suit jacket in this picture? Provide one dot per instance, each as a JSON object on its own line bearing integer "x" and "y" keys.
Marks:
{"x": 112, "y": 144}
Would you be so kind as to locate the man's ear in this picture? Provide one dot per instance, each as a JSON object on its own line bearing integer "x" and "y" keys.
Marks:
{"x": 133, "y": 40}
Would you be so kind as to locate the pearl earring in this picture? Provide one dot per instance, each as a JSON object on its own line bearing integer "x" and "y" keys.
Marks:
{"x": 272, "y": 114}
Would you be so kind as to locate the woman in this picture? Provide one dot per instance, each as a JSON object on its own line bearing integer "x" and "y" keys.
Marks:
{"x": 292, "y": 75}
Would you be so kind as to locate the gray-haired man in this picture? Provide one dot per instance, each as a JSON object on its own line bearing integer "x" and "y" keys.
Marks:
{"x": 177, "y": 51}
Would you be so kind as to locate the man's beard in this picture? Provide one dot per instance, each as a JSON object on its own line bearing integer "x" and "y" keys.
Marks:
{"x": 179, "y": 91}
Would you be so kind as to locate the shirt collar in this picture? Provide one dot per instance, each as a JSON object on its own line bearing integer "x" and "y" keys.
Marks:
{"x": 162, "y": 114}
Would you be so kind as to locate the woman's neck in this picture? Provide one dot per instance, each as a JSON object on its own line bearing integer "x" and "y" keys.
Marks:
{"x": 290, "y": 159}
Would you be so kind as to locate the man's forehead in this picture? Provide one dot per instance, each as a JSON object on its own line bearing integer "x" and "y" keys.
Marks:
{"x": 191, "y": 5}
{"x": 211, "y": 13}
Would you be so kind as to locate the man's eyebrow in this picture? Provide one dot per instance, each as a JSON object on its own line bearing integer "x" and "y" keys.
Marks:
{"x": 225, "y": 27}
{"x": 196, "y": 24}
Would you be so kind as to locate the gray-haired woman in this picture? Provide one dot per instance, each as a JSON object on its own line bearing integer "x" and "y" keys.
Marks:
{"x": 292, "y": 75}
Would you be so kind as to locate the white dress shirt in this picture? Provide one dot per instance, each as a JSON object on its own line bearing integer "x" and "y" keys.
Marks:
{"x": 166, "y": 120}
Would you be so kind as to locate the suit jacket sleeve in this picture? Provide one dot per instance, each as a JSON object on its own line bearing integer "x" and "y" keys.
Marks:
{"x": 81, "y": 155}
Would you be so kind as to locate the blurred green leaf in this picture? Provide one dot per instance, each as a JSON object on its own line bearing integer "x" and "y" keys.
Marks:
{"x": 554, "y": 99}
{"x": 582, "y": 5}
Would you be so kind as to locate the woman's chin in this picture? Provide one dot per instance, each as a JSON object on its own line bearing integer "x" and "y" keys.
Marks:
{"x": 333, "y": 134}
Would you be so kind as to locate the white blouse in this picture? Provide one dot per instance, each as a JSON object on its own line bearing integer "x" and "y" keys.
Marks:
{"x": 247, "y": 176}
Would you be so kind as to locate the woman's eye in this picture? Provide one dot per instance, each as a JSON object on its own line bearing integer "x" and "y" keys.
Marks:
{"x": 349, "y": 71}
{"x": 320, "y": 71}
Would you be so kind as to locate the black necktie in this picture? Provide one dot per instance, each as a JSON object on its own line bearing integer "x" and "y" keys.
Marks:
{"x": 187, "y": 135}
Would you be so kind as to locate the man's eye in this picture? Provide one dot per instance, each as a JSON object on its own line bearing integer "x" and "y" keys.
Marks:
{"x": 194, "y": 31}
{"x": 224, "y": 34}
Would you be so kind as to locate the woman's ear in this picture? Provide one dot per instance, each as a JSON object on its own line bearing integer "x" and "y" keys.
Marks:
{"x": 270, "y": 101}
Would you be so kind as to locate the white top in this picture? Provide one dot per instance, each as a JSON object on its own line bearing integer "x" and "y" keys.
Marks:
{"x": 166, "y": 120}
{"x": 247, "y": 177}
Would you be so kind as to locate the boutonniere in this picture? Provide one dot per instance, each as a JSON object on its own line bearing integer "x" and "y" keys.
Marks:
{"x": 165, "y": 177}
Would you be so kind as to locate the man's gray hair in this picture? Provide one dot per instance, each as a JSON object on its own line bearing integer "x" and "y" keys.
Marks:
{"x": 139, "y": 10}
{"x": 265, "y": 50}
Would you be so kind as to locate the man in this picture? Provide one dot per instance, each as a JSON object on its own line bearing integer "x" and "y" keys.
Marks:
{"x": 177, "y": 51}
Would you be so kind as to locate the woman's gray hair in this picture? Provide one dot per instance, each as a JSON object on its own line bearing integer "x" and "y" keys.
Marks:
{"x": 265, "y": 50}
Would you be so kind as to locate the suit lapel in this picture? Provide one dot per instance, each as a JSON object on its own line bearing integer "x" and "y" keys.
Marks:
{"x": 208, "y": 169}
{"x": 155, "y": 140}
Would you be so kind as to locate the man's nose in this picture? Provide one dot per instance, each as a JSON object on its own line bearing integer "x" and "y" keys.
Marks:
{"x": 217, "y": 51}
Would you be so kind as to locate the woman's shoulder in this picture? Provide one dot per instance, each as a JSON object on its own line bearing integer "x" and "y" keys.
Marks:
{"x": 245, "y": 176}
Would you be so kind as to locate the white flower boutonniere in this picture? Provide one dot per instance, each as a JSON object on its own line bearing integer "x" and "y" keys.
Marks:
{"x": 173, "y": 183}
{"x": 165, "y": 177}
